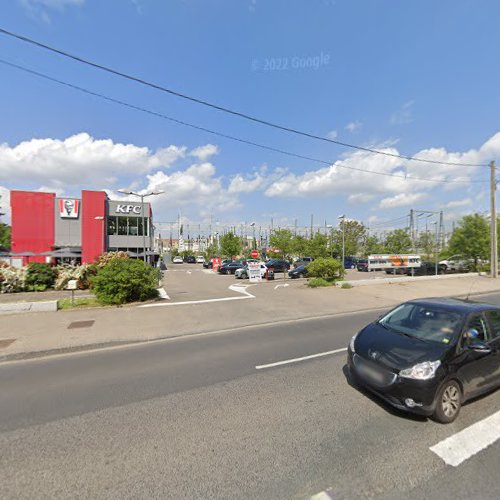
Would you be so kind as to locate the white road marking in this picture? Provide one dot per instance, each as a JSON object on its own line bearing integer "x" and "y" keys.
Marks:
{"x": 163, "y": 293}
{"x": 277, "y": 286}
{"x": 304, "y": 358}
{"x": 323, "y": 495}
{"x": 466, "y": 443}
{"x": 234, "y": 288}
{"x": 208, "y": 271}
{"x": 188, "y": 272}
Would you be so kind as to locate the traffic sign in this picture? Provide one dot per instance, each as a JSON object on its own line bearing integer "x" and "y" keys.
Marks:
{"x": 254, "y": 254}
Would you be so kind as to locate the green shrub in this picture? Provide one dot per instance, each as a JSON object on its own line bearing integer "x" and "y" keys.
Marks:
{"x": 316, "y": 282}
{"x": 40, "y": 276}
{"x": 325, "y": 267}
{"x": 346, "y": 285}
{"x": 125, "y": 280}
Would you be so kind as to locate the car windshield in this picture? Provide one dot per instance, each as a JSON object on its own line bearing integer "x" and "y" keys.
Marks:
{"x": 425, "y": 322}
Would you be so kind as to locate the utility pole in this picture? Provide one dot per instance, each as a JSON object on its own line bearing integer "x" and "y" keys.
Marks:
{"x": 312, "y": 226}
{"x": 494, "y": 252}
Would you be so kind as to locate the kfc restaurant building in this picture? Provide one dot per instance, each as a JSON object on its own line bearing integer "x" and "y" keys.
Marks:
{"x": 46, "y": 228}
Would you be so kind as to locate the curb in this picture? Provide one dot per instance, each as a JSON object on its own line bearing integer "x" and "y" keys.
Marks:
{"x": 23, "y": 307}
{"x": 409, "y": 279}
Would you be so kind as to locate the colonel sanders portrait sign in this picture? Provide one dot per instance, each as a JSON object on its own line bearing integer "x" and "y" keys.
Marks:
{"x": 69, "y": 208}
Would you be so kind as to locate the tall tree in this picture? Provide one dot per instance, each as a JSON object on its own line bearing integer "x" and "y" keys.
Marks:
{"x": 282, "y": 240}
{"x": 471, "y": 238}
{"x": 427, "y": 244}
{"x": 353, "y": 232}
{"x": 398, "y": 241}
{"x": 317, "y": 246}
{"x": 230, "y": 245}
{"x": 371, "y": 245}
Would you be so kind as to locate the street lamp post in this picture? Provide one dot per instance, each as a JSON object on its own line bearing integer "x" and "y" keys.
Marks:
{"x": 142, "y": 196}
{"x": 342, "y": 218}
{"x": 436, "y": 249}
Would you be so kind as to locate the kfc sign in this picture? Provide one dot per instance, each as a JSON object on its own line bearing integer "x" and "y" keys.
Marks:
{"x": 127, "y": 209}
{"x": 68, "y": 209}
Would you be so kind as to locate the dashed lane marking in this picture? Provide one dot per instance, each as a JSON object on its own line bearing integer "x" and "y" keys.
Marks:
{"x": 303, "y": 358}
{"x": 464, "y": 444}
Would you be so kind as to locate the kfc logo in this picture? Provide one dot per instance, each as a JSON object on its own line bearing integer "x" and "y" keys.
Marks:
{"x": 127, "y": 209}
{"x": 69, "y": 208}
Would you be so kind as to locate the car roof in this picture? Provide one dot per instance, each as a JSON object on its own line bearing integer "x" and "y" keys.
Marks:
{"x": 462, "y": 305}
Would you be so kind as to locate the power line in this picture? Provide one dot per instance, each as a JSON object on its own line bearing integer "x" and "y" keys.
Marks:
{"x": 227, "y": 136}
{"x": 224, "y": 109}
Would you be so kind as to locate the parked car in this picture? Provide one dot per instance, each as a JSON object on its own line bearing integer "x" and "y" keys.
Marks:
{"x": 191, "y": 259}
{"x": 207, "y": 264}
{"x": 178, "y": 260}
{"x": 457, "y": 263}
{"x": 242, "y": 272}
{"x": 279, "y": 265}
{"x": 397, "y": 270}
{"x": 362, "y": 265}
{"x": 230, "y": 267}
{"x": 426, "y": 269}
{"x": 429, "y": 356}
{"x": 200, "y": 259}
{"x": 350, "y": 262}
{"x": 298, "y": 272}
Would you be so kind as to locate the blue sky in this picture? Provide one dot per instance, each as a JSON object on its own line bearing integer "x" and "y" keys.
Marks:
{"x": 416, "y": 78}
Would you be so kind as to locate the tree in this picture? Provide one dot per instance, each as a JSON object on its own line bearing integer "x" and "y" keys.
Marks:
{"x": 371, "y": 245}
{"x": 353, "y": 233}
{"x": 317, "y": 246}
{"x": 5, "y": 233}
{"x": 427, "y": 244}
{"x": 300, "y": 246}
{"x": 471, "y": 238}
{"x": 283, "y": 241}
{"x": 212, "y": 250}
{"x": 398, "y": 241}
{"x": 230, "y": 245}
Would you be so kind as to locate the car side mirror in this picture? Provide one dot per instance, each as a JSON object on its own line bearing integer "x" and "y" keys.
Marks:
{"x": 478, "y": 346}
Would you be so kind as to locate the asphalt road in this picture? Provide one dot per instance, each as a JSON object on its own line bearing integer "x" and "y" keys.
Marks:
{"x": 194, "y": 418}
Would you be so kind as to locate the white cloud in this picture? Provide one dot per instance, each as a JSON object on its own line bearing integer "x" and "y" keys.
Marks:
{"x": 332, "y": 134}
{"x": 80, "y": 160}
{"x": 196, "y": 187}
{"x": 403, "y": 115}
{"x": 360, "y": 198}
{"x": 41, "y": 8}
{"x": 203, "y": 153}
{"x": 402, "y": 200}
{"x": 458, "y": 203}
{"x": 353, "y": 126}
{"x": 335, "y": 180}
{"x": 242, "y": 184}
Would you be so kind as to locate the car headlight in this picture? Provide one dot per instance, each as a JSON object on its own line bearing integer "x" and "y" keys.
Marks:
{"x": 421, "y": 371}
{"x": 351, "y": 343}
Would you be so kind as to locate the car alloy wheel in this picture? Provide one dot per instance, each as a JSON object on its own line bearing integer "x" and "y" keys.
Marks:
{"x": 449, "y": 402}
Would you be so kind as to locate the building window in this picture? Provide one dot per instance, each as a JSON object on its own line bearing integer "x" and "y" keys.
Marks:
{"x": 111, "y": 225}
{"x": 122, "y": 226}
{"x": 133, "y": 226}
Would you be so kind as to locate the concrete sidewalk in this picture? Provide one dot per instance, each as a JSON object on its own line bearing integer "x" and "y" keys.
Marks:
{"x": 37, "y": 334}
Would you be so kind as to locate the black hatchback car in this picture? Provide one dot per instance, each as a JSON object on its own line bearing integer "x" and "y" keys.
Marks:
{"x": 279, "y": 266}
{"x": 298, "y": 272}
{"x": 429, "y": 356}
